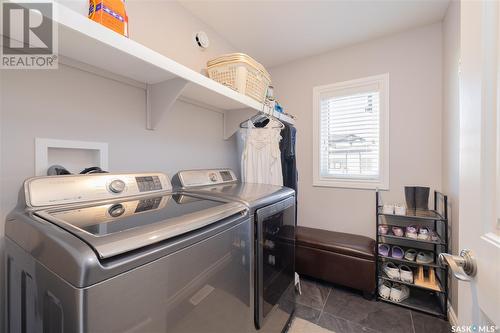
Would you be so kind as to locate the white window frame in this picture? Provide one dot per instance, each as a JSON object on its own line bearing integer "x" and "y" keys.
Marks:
{"x": 382, "y": 183}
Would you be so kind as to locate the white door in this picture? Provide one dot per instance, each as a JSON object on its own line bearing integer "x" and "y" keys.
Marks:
{"x": 479, "y": 226}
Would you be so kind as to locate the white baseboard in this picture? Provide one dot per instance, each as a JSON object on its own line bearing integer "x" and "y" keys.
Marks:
{"x": 452, "y": 316}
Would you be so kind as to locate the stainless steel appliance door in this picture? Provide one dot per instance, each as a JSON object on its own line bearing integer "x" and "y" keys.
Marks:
{"x": 275, "y": 252}
{"x": 114, "y": 228}
{"x": 205, "y": 287}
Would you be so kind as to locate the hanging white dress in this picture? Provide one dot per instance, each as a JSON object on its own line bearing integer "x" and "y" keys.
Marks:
{"x": 260, "y": 154}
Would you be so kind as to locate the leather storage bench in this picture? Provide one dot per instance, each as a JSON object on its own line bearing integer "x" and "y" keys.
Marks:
{"x": 336, "y": 257}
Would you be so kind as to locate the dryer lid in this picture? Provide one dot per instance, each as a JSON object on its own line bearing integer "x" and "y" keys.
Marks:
{"x": 113, "y": 228}
{"x": 223, "y": 183}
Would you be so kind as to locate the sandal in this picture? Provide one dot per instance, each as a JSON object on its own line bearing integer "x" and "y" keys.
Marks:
{"x": 398, "y": 231}
{"x": 383, "y": 250}
{"x": 425, "y": 258}
{"x": 391, "y": 270}
{"x": 406, "y": 274}
{"x": 384, "y": 289}
{"x": 399, "y": 292}
{"x": 410, "y": 254}
{"x": 383, "y": 229}
{"x": 397, "y": 252}
{"x": 411, "y": 232}
{"x": 424, "y": 233}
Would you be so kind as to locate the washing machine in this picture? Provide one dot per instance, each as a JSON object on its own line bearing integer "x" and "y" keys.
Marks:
{"x": 272, "y": 210}
{"x": 126, "y": 253}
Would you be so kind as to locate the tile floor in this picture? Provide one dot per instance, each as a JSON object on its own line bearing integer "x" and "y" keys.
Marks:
{"x": 345, "y": 311}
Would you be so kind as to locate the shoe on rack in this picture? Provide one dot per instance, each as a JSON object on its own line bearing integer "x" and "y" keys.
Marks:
{"x": 399, "y": 292}
{"x": 412, "y": 232}
{"x": 397, "y": 252}
{"x": 410, "y": 254}
{"x": 383, "y": 229}
{"x": 425, "y": 258}
{"x": 383, "y": 250}
{"x": 398, "y": 231}
{"x": 406, "y": 274}
{"x": 399, "y": 209}
{"x": 434, "y": 236}
{"x": 424, "y": 233}
{"x": 388, "y": 209}
{"x": 391, "y": 270}
{"x": 384, "y": 289}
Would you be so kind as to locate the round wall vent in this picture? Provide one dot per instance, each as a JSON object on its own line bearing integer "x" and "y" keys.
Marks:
{"x": 201, "y": 39}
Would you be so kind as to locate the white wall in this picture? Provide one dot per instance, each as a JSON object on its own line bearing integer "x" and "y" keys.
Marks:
{"x": 174, "y": 29}
{"x": 414, "y": 61}
{"x": 168, "y": 28}
{"x": 451, "y": 126}
{"x": 83, "y": 107}
{"x": 65, "y": 104}
{"x": 71, "y": 104}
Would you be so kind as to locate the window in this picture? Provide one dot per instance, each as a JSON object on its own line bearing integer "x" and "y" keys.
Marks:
{"x": 351, "y": 134}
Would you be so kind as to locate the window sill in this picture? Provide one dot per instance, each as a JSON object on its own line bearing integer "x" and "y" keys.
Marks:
{"x": 352, "y": 184}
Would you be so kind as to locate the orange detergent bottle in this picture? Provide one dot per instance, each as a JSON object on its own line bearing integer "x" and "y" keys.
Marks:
{"x": 110, "y": 13}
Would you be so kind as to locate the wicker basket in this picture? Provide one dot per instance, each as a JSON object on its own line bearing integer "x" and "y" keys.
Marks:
{"x": 240, "y": 72}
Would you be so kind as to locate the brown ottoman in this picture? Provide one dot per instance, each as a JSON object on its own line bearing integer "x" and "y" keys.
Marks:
{"x": 336, "y": 257}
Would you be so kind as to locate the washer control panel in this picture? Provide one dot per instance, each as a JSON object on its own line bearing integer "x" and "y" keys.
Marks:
{"x": 148, "y": 183}
{"x": 191, "y": 178}
{"x": 58, "y": 190}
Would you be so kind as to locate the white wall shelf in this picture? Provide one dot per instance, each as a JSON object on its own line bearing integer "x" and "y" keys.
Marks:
{"x": 86, "y": 42}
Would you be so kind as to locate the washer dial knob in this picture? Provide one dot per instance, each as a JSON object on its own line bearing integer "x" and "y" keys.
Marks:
{"x": 117, "y": 186}
{"x": 213, "y": 177}
{"x": 116, "y": 210}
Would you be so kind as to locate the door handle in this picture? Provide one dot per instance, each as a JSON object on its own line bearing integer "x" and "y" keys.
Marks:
{"x": 463, "y": 266}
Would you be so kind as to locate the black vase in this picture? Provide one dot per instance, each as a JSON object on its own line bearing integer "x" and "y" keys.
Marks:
{"x": 410, "y": 197}
{"x": 422, "y": 197}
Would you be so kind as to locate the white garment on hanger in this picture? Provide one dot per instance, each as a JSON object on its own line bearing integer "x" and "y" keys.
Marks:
{"x": 261, "y": 155}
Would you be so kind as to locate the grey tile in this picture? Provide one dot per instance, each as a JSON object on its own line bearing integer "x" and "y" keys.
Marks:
{"x": 426, "y": 323}
{"x": 303, "y": 326}
{"x": 307, "y": 313}
{"x": 314, "y": 294}
{"x": 379, "y": 316}
{"x": 301, "y": 311}
{"x": 339, "y": 325}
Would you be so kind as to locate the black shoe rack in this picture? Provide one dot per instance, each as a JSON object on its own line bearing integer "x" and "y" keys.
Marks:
{"x": 422, "y": 298}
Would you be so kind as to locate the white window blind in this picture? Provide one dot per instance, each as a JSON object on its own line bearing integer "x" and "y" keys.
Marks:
{"x": 350, "y": 135}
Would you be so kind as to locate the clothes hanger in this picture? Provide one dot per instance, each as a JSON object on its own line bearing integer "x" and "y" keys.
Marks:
{"x": 264, "y": 115}
{"x": 279, "y": 124}
{"x": 259, "y": 117}
{"x": 254, "y": 119}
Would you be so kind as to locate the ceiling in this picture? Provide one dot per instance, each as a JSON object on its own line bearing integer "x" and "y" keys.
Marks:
{"x": 277, "y": 32}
